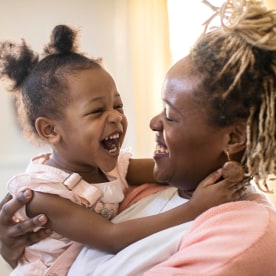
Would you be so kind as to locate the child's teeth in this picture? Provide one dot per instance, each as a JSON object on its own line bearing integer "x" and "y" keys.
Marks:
{"x": 114, "y": 136}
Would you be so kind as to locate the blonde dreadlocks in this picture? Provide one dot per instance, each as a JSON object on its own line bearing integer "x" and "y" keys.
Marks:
{"x": 238, "y": 59}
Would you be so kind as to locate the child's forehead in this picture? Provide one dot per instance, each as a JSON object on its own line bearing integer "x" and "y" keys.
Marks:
{"x": 95, "y": 73}
{"x": 93, "y": 88}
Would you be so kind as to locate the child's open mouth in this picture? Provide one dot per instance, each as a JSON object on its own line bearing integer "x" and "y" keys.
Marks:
{"x": 112, "y": 143}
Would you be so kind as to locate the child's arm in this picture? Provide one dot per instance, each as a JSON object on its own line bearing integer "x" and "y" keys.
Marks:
{"x": 89, "y": 228}
{"x": 140, "y": 171}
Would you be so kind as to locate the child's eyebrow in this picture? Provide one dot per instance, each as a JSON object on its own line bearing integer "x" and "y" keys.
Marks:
{"x": 99, "y": 98}
{"x": 92, "y": 100}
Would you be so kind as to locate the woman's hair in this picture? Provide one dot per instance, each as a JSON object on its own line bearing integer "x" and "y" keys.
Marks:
{"x": 41, "y": 85}
{"x": 238, "y": 64}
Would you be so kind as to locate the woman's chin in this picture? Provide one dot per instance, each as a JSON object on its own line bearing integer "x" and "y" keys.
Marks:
{"x": 159, "y": 176}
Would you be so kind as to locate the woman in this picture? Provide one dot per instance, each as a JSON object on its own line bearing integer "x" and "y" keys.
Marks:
{"x": 219, "y": 105}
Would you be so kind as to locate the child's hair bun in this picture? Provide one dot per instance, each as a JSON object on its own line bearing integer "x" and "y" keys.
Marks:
{"x": 62, "y": 40}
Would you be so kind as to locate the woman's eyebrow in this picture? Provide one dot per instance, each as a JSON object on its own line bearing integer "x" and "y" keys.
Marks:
{"x": 171, "y": 105}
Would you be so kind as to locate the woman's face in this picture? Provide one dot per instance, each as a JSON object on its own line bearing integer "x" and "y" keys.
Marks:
{"x": 187, "y": 147}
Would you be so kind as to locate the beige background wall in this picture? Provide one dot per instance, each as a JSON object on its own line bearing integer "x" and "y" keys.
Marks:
{"x": 270, "y": 3}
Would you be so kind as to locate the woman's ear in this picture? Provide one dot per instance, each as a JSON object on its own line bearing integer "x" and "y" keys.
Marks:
{"x": 46, "y": 129}
{"x": 237, "y": 138}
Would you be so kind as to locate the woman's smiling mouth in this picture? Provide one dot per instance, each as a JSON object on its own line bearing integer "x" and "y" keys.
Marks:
{"x": 160, "y": 151}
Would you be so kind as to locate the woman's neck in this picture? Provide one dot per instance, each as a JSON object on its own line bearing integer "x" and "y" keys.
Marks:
{"x": 185, "y": 194}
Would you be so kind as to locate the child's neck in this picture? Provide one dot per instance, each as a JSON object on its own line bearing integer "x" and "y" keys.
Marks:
{"x": 90, "y": 175}
{"x": 93, "y": 177}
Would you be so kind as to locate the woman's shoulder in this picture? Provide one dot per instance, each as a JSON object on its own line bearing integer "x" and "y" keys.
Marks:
{"x": 235, "y": 238}
{"x": 248, "y": 214}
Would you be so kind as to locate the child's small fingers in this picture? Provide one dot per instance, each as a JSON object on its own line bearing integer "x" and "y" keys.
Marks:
{"x": 239, "y": 192}
{"x": 212, "y": 178}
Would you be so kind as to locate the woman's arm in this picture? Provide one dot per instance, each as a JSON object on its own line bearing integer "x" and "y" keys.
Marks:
{"x": 82, "y": 225}
{"x": 15, "y": 236}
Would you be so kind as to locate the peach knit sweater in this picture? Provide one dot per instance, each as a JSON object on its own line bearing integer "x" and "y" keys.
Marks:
{"x": 233, "y": 239}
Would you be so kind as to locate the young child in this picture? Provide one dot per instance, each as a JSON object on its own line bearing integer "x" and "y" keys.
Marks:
{"x": 71, "y": 103}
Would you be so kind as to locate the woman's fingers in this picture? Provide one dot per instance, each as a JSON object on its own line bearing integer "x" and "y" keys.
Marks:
{"x": 28, "y": 238}
{"x": 35, "y": 237}
{"x": 15, "y": 235}
{"x": 10, "y": 226}
{"x": 28, "y": 226}
{"x": 5, "y": 200}
{"x": 8, "y": 208}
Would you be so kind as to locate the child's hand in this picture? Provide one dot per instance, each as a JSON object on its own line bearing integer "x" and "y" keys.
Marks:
{"x": 210, "y": 193}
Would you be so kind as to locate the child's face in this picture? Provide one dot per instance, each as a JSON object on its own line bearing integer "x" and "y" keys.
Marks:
{"x": 94, "y": 124}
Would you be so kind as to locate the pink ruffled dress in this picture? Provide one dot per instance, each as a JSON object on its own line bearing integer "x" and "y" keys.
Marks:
{"x": 56, "y": 253}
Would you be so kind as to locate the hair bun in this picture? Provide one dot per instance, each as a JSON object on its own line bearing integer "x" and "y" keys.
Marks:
{"x": 62, "y": 40}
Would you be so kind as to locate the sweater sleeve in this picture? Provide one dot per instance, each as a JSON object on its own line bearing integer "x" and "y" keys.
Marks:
{"x": 232, "y": 239}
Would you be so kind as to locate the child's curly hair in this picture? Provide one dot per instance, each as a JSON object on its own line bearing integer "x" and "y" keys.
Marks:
{"x": 41, "y": 85}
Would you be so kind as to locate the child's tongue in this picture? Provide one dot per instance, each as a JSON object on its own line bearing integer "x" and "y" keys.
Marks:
{"x": 111, "y": 144}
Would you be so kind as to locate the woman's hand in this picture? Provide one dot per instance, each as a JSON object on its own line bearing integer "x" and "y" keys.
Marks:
{"x": 16, "y": 235}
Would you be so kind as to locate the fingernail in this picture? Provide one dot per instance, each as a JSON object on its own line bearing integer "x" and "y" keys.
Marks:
{"x": 27, "y": 193}
{"x": 219, "y": 170}
{"x": 42, "y": 218}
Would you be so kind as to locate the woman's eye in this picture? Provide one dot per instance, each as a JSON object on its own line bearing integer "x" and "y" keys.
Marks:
{"x": 167, "y": 117}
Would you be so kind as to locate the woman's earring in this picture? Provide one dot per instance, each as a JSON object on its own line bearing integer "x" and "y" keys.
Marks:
{"x": 232, "y": 170}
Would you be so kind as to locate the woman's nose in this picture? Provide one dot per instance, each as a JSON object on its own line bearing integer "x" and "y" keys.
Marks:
{"x": 155, "y": 123}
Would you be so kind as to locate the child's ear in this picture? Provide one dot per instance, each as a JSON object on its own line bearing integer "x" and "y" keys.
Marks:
{"x": 46, "y": 129}
{"x": 237, "y": 138}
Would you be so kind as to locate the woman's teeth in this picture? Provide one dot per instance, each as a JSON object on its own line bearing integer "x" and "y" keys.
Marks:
{"x": 160, "y": 149}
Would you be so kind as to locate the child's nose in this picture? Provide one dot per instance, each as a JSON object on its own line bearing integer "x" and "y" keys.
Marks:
{"x": 115, "y": 116}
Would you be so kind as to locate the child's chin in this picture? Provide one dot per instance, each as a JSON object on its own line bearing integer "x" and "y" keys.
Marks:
{"x": 110, "y": 166}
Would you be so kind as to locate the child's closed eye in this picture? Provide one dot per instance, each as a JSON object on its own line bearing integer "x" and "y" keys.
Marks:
{"x": 119, "y": 107}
